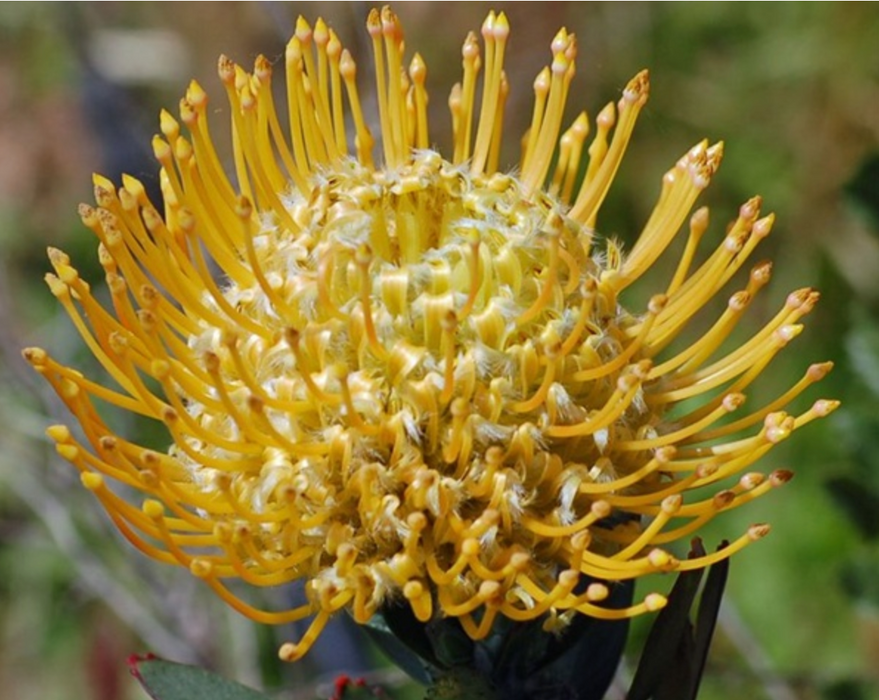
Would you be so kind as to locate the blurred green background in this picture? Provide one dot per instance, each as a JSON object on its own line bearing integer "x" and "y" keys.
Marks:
{"x": 792, "y": 89}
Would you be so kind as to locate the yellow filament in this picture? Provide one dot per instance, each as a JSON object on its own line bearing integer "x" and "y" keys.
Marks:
{"x": 471, "y": 63}
{"x": 618, "y": 402}
{"x": 593, "y": 193}
{"x": 534, "y": 172}
{"x": 495, "y": 31}
{"x": 541, "y": 91}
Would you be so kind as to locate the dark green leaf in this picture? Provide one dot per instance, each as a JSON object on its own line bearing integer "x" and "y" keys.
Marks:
{"x": 166, "y": 680}
{"x": 674, "y": 655}
{"x": 406, "y": 653}
{"x": 706, "y": 619}
{"x": 450, "y": 643}
{"x": 461, "y": 683}
{"x": 663, "y": 642}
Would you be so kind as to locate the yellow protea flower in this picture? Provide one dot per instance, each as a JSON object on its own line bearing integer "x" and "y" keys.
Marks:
{"x": 399, "y": 375}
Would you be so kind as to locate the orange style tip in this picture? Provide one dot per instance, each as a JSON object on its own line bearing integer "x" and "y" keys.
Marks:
{"x": 775, "y": 419}
{"x": 196, "y": 96}
{"x": 733, "y": 401}
{"x": 659, "y": 559}
{"x": 293, "y": 55}
{"x": 541, "y": 82}
{"x": 559, "y": 41}
{"x": 501, "y": 28}
{"x": 413, "y": 590}
{"x": 68, "y": 452}
{"x": 108, "y": 443}
{"x": 788, "y": 332}
{"x": 470, "y": 547}
{"x": 655, "y": 601}
{"x": 580, "y": 541}
{"x": 596, "y": 592}
{"x": 824, "y": 407}
{"x": 391, "y": 24}
{"x": 777, "y": 434}
{"x": 153, "y": 509}
{"x": 714, "y": 155}
{"x": 160, "y": 369}
{"x": 672, "y": 504}
{"x": 723, "y": 499}
{"x": 780, "y": 477}
{"x": 59, "y": 433}
{"x": 638, "y": 88}
{"x": 36, "y": 357}
{"x": 303, "y": 30}
{"x": 739, "y": 301}
{"x": 334, "y": 47}
{"x": 580, "y": 127}
{"x": 291, "y": 652}
{"x": 761, "y": 272}
{"x": 101, "y": 182}
{"x": 347, "y": 66}
{"x": 489, "y": 590}
{"x": 699, "y": 221}
{"x": 374, "y": 22}
{"x": 568, "y": 578}
{"x": 758, "y": 531}
{"x": 67, "y": 274}
{"x": 168, "y": 125}
{"x": 520, "y": 561}
{"x": 750, "y": 210}
{"x": 797, "y": 298}
{"x": 470, "y": 49}
{"x": 57, "y": 256}
{"x": 763, "y": 227}
{"x": 417, "y": 521}
{"x": 200, "y": 568}
{"x": 488, "y": 25}
{"x": 188, "y": 115}
{"x": 226, "y": 70}
{"x": 321, "y": 32}
{"x": 751, "y": 480}
{"x": 600, "y": 509}
{"x": 703, "y": 471}
{"x": 819, "y": 370}
{"x": 657, "y": 303}
{"x": 69, "y": 390}
{"x": 665, "y": 454}
{"x": 571, "y": 51}
{"x": 87, "y": 213}
{"x": 133, "y": 186}
{"x": 418, "y": 70}
{"x": 91, "y": 480}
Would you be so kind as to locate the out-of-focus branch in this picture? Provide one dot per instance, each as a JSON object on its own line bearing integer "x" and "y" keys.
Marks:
{"x": 736, "y": 631}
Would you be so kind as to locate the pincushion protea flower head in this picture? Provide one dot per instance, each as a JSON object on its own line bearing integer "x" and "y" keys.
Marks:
{"x": 414, "y": 378}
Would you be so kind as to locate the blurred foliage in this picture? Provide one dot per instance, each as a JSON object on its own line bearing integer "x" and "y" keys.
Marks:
{"x": 792, "y": 88}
